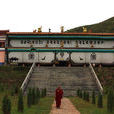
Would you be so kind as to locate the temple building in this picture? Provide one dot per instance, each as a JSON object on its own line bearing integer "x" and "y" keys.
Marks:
{"x": 60, "y": 48}
{"x": 2, "y": 45}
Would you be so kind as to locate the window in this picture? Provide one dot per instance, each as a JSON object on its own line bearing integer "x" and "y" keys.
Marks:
{"x": 83, "y": 42}
{"x": 64, "y": 41}
{"x": 86, "y": 42}
{"x": 40, "y": 42}
{"x": 57, "y": 41}
{"x": 102, "y": 42}
{"x": 54, "y": 42}
{"x": 68, "y": 42}
{"x": 36, "y": 41}
{"x": 51, "y": 41}
{"x": 80, "y": 42}
{"x": 90, "y": 42}
{"x": 98, "y": 42}
{"x": 47, "y": 41}
{"x": 94, "y": 42}
{"x": 93, "y": 56}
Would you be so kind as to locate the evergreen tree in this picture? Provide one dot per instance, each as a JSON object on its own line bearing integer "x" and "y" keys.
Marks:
{"x": 93, "y": 97}
{"x": 78, "y": 92}
{"x": 84, "y": 95}
{"x": 29, "y": 98}
{"x": 6, "y": 105}
{"x": 37, "y": 95}
{"x": 33, "y": 96}
{"x": 42, "y": 93}
{"x": 87, "y": 96}
{"x": 45, "y": 92}
{"x": 20, "y": 102}
{"x": 110, "y": 101}
{"x": 100, "y": 101}
{"x": 80, "y": 95}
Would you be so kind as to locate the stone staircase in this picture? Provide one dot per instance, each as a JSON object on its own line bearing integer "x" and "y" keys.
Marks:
{"x": 69, "y": 78}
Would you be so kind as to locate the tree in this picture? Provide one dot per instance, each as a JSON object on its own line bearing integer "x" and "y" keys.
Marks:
{"x": 37, "y": 95}
{"x": 110, "y": 99}
{"x": 78, "y": 92}
{"x": 20, "y": 102}
{"x": 93, "y": 97}
{"x": 6, "y": 105}
{"x": 87, "y": 96}
{"x": 100, "y": 101}
{"x": 29, "y": 98}
{"x": 45, "y": 92}
{"x": 33, "y": 96}
{"x": 84, "y": 95}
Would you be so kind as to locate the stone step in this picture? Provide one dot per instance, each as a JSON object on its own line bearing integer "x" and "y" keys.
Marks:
{"x": 70, "y": 79}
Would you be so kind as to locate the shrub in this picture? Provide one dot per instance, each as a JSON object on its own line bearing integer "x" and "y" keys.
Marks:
{"x": 20, "y": 102}
{"x": 100, "y": 101}
{"x": 84, "y": 95}
{"x": 78, "y": 92}
{"x": 93, "y": 97}
{"x": 87, "y": 96}
{"x": 6, "y": 105}
{"x": 29, "y": 98}
{"x": 37, "y": 95}
{"x": 33, "y": 96}
{"x": 110, "y": 98}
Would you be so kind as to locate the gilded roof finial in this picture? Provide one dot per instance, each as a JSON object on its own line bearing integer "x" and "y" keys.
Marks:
{"x": 40, "y": 29}
{"x": 84, "y": 29}
{"x": 62, "y": 28}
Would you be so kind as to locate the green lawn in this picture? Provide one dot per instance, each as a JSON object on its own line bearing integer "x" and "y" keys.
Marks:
{"x": 12, "y": 75}
{"x": 43, "y": 107}
{"x": 88, "y": 108}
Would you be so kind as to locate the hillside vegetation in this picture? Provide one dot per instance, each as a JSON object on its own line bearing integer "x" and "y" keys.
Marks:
{"x": 106, "y": 26}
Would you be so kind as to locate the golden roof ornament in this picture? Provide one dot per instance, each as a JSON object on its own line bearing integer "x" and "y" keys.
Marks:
{"x": 84, "y": 29}
{"x": 40, "y": 29}
{"x": 62, "y": 28}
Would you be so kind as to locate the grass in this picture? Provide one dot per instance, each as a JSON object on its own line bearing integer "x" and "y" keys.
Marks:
{"x": 43, "y": 107}
{"x": 12, "y": 75}
{"x": 87, "y": 107}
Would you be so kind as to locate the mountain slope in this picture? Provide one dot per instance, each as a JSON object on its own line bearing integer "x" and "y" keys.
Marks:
{"x": 106, "y": 26}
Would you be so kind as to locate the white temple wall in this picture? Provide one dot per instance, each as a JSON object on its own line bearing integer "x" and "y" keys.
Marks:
{"x": 30, "y": 57}
{"x": 46, "y": 57}
{"x": 97, "y": 57}
{"x": 67, "y": 43}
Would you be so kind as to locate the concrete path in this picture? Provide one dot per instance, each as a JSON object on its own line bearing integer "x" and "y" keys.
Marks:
{"x": 66, "y": 108}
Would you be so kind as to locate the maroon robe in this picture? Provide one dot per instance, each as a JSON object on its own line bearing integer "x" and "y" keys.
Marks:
{"x": 58, "y": 96}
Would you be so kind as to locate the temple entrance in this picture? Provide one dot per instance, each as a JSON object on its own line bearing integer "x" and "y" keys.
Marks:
{"x": 62, "y": 63}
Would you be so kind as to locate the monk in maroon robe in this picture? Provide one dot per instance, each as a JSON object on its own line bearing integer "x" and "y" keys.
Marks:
{"x": 58, "y": 96}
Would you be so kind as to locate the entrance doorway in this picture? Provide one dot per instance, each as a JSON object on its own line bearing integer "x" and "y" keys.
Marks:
{"x": 62, "y": 63}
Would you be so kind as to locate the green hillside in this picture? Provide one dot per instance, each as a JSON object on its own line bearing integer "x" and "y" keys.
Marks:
{"x": 106, "y": 26}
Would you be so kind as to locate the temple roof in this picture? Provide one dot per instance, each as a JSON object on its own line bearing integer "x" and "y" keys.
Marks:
{"x": 59, "y": 33}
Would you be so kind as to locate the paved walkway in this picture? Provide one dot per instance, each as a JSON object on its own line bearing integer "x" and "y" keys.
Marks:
{"x": 66, "y": 108}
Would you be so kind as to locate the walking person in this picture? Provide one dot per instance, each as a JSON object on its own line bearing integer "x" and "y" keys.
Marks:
{"x": 58, "y": 96}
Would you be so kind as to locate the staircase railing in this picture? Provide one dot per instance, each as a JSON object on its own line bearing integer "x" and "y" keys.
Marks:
{"x": 96, "y": 79}
{"x": 27, "y": 79}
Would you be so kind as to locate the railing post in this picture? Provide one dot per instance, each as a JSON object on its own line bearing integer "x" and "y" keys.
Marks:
{"x": 96, "y": 78}
{"x": 26, "y": 80}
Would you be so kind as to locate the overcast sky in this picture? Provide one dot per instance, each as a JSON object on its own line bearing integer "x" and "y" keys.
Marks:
{"x": 26, "y": 15}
